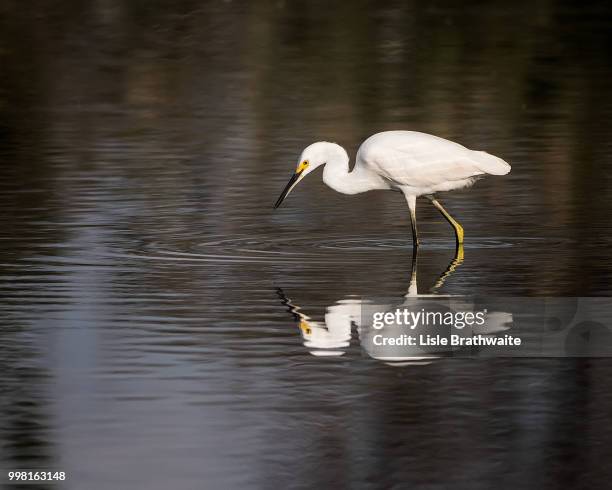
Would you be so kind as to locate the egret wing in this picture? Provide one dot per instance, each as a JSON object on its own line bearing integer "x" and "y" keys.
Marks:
{"x": 421, "y": 162}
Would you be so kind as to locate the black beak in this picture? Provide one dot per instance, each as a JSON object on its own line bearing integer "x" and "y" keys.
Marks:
{"x": 287, "y": 188}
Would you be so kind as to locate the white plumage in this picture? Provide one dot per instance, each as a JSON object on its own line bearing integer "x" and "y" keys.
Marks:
{"x": 425, "y": 163}
{"x": 415, "y": 163}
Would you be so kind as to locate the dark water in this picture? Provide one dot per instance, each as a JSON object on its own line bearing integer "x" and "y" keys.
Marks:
{"x": 145, "y": 336}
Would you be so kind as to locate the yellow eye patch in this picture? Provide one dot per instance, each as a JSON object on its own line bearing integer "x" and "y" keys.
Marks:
{"x": 305, "y": 328}
{"x": 302, "y": 166}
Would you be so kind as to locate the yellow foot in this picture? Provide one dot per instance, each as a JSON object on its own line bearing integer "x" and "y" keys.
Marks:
{"x": 459, "y": 254}
{"x": 459, "y": 233}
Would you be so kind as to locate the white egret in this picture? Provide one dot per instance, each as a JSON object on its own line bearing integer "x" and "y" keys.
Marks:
{"x": 417, "y": 164}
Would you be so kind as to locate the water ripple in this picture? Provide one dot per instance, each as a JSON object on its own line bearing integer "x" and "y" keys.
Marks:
{"x": 266, "y": 250}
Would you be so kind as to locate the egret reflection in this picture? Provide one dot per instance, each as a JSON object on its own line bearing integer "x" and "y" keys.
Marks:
{"x": 345, "y": 324}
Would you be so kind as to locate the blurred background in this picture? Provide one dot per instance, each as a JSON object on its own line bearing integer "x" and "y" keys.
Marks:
{"x": 144, "y": 342}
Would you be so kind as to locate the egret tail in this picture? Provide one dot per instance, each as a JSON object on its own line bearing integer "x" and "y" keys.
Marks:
{"x": 490, "y": 164}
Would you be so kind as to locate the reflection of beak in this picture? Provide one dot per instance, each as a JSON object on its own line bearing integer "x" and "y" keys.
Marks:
{"x": 290, "y": 185}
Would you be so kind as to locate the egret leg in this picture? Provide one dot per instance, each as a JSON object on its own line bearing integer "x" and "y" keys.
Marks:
{"x": 412, "y": 205}
{"x": 458, "y": 228}
{"x": 413, "y": 288}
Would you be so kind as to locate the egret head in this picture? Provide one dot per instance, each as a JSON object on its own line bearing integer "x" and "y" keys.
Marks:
{"x": 312, "y": 157}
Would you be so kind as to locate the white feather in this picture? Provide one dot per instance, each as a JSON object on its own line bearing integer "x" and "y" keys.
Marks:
{"x": 425, "y": 163}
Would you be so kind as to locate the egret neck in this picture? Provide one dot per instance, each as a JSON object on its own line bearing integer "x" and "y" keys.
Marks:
{"x": 336, "y": 173}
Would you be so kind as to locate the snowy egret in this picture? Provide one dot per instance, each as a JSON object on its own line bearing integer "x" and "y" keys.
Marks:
{"x": 414, "y": 163}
